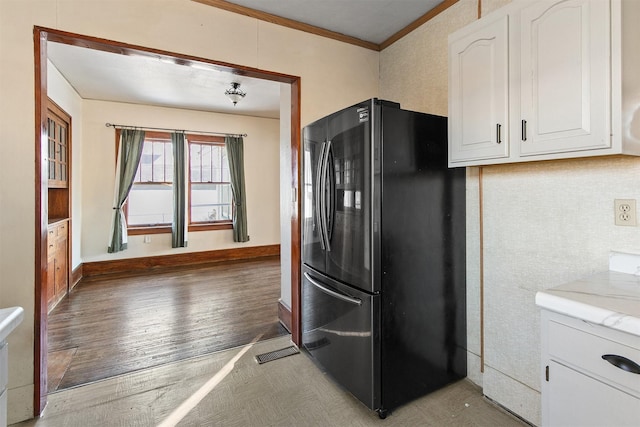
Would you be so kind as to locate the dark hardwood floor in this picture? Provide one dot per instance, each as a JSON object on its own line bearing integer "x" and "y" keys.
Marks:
{"x": 112, "y": 325}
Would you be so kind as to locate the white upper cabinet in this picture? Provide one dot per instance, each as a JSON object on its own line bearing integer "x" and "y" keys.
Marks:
{"x": 479, "y": 85}
{"x": 546, "y": 77}
{"x": 565, "y": 79}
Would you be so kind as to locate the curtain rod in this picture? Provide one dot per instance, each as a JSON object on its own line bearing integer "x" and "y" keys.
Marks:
{"x": 111, "y": 125}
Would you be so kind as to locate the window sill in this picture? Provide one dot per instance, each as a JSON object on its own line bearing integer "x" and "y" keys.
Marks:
{"x": 138, "y": 231}
{"x": 206, "y": 227}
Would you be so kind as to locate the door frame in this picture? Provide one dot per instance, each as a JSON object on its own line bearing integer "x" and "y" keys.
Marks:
{"x": 41, "y": 36}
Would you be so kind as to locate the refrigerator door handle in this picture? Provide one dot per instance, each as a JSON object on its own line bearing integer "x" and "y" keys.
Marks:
{"x": 331, "y": 172}
{"x": 323, "y": 201}
{"x": 331, "y": 292}
{"x": 319, "y": 192}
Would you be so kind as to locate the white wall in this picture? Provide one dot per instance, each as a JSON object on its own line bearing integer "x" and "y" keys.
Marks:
{"x": 287, "y": 200}
{"x": 262, "y": 165}
{"x": 333, "y": 75}
{"x": 545, "y": 223}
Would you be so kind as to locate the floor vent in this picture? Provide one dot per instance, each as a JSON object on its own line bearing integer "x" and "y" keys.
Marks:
{"x": 276, "y": 354}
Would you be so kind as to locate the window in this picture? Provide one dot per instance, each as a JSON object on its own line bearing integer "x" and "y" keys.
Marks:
{"x": 150, "y": 203}
{"x": 210, "y": 194}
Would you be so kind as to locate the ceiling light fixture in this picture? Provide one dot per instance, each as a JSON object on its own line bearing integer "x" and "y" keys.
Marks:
{"x": 234, "y": 93}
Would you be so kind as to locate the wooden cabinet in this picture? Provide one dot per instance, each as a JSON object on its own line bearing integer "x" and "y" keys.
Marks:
{"x": 58, "y": 265}
{"x": 58, "y": 161}
{"x": 561, "y": 83}
{"x": 580, "y": 387}
{"x": 58, "y": 203}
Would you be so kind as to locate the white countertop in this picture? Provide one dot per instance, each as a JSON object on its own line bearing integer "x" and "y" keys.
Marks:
{"x": 610, "y": 299}
{"x": 10, "y": 318}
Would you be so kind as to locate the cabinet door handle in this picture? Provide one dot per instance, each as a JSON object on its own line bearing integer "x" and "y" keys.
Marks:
{"x": 498, "y": 129}
{"x": 524, "y": 130}
{"x": 622, "y": 363}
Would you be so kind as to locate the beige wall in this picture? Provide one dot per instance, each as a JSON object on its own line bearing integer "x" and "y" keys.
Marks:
{"x": 545, "y": 223}
{"x": 262, "y": 165}
{"x": 333, "y": 75}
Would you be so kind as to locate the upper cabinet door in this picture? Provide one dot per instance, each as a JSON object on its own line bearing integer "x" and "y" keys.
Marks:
{"x": 565, "y": 80}
{"x": 479, "y": 93}
{"x": 58, "y": 127}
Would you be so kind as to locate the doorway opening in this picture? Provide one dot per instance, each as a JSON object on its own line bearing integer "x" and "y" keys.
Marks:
{"x": 44, "y": 35}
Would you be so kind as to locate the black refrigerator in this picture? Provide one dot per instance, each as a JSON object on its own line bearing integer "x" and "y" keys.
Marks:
{"x": 383, "y": 253}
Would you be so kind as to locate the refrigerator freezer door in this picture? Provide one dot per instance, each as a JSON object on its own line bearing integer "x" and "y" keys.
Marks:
{"x": 313, "y": 247}
{"x": 339, "y": 330}
{"x": 349, "y": 181}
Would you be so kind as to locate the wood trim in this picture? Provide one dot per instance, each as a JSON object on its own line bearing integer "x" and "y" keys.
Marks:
{"x": 41, "y": 203}
{"x": 130, "y": 265}
{"x": 289, "y": 23}
{"x": 446, "y": 4}
{"x": 284, "y": 316}
{"x": 296, "y": 233}
{"x": 139, "y": 231}
{"x": 76, "y": 276}
{"x": 120, "y": 48}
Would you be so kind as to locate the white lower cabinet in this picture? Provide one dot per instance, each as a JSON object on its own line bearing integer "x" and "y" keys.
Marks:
{"x": 579, "y": 386}
{"x": 3, "y": 408}
{"x": 4, "y": 379}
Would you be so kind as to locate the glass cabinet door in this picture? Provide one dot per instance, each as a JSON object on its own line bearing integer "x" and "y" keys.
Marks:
{"x": 57, "y": 133}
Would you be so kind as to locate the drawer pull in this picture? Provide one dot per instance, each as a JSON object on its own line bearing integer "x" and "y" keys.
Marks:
{"x": 622, "y": 363}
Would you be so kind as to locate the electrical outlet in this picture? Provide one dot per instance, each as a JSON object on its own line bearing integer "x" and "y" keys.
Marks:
{"x": 625, "y": 212}
{"x": 147, "y": 239}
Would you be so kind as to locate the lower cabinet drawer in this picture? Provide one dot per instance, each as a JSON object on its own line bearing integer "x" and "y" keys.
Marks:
{"x": 575, "y": 399}
{"x": 583, "y": 351}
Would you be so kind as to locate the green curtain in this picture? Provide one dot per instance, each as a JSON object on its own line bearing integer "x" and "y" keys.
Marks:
{"x": 130, "y": 150}
{"x": 180, "y": 223}
{"x": 235, "y": 154}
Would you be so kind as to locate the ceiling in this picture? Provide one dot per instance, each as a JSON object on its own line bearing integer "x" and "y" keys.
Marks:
{"x": 369, "y": 20}
{"x": 105, "y": 76}
{"x": 99, "y": 75}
